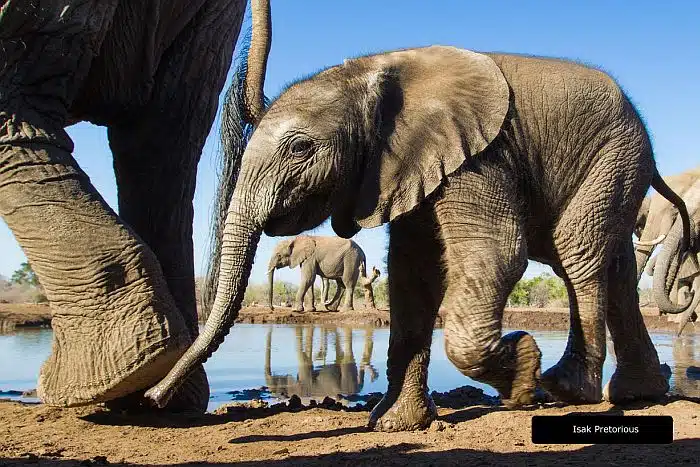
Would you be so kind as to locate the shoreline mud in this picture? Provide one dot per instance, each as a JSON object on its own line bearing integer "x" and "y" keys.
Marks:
{"x": 468, "y": 431}
{"x": 14, "y": 316}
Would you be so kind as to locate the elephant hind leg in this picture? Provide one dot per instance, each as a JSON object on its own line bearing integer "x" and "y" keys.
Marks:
{"x": 638, "y": 374}
{"x": 415, "y": 293}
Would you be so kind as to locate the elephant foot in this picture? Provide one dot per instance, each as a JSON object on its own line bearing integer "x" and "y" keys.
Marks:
{"x": 346, "y": 308}
{"x": 521, "y": 390}
{"x": 630, "y": 384}
{"x": 572, "y": 382}
{"x": 298, "y": 310}
{"x": 403, "y": 413}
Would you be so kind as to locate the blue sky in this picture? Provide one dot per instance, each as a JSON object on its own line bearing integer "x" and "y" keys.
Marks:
{"x": 652, "y": 48}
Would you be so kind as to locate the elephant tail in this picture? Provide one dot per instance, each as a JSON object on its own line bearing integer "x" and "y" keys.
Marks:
{"x": 236, "y": 129}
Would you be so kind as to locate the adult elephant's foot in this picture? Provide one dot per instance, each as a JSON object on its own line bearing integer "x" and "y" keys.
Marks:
{"x": 403, "y": 413}
{"x": 312, "y": 310}
{"x": 346, "y": 308}
{"x": 298, "y": 309}
{"x": 573, "y": 382}
{"x": 630, "y": 383}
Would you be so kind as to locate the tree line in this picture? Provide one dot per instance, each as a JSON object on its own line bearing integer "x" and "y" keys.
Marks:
{"x": 541, "y": 291}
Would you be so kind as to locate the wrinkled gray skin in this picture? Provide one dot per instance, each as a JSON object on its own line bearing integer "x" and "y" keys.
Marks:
{"x": 656, "y": 216}
{"x": 477, "y": 162}
{"x": 343, "y": 376}
{"x": 334, "y": 258}
{"x": 121, "y": 286}
{"x": 687, "y": 279}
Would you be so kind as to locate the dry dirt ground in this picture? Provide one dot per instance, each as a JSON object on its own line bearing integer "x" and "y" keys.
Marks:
{"x": 471, "y": 435}
{"x": 514, "y": 318}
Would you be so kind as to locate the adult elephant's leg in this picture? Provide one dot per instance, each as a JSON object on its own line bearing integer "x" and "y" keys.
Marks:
{"x": 415, "y": 292}
{"x": 485, "y": 256}
{"x": 116, "y": 326}
{"x": 156, "y": 155}
{"x": 638, "y": 373}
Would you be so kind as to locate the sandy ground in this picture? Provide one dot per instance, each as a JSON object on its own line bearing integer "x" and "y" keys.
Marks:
{"x": 12, "y": 316}
{"x": 470, "y": 435}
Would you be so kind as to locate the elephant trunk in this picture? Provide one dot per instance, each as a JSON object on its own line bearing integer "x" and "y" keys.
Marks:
{"x": 259, "y": 50}
{"x": 240, "y": 240}
{"x": 642, "y": 255}
{"x": 271, "y": 280}
{"x": 666, "y": 270}
{"x": 694, "y": 304}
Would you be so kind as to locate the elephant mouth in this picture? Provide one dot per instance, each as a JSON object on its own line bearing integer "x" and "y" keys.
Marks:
{"x": 299, "y": 215}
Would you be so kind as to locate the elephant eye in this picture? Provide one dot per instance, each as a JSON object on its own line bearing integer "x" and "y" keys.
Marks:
{"x": 301, "y": 147}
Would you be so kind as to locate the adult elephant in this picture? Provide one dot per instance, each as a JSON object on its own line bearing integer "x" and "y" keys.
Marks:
{"x": 656, "y": 216}
{"x": 333, "y": 258}
{"x": 687, "y": 278}
{"x": 477, "y": 162}
{"x": 121, "y": 287}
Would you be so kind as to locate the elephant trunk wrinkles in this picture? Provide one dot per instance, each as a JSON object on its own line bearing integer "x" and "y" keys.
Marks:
{"x": 271, "y": 279}
{"x": 240, "y": 240}
{"x": 666, "y": 270}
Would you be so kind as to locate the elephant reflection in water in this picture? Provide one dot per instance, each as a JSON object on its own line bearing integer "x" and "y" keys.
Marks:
{"x": 344, "y": 376}
{"x": 686, "y": 374}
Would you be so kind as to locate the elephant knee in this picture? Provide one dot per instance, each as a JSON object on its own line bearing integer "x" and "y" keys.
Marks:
{"x": 470, "y": 359}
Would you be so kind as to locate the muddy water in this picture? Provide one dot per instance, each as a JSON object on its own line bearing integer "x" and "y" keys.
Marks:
{"x": 274, "y": 361}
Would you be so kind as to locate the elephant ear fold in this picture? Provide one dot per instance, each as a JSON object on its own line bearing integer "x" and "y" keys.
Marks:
{"x": 428, "y": 110}
{"x": 301, "y": 248}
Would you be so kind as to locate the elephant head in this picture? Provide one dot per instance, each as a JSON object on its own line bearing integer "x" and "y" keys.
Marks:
{"x": 364, "y": 143}
{"x": 667, "y": 263}
{"x": 288, "y": 253}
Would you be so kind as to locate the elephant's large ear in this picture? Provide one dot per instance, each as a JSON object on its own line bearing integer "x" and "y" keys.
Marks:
{"x": 301, "y": 248}
{"x": 430, "y": 109}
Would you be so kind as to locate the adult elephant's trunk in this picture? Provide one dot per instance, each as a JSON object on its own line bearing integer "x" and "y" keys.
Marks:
{"x": 271, "y": 280}
{"x": 666, "y": 270}
{"x": 256, "y": 65}
{"x": 240, "y": 239}
{"x": 695, "y": 303}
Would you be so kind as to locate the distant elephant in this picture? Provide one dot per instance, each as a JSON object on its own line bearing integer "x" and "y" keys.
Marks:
{"x": 665, "y": 269}
{"x": 121, "y": 287}
{"x": 344, "y": 376}
{"x": 477, "y": 162}
{"x": 334, "y": 258}
{"x": 656, "y": 216}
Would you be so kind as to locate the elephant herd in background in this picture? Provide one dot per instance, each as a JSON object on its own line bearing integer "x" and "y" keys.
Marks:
{"x": 658, "y": 224}
{"x": 476, "y": 161}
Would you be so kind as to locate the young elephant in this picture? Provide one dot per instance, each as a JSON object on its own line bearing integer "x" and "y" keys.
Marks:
{"x": 329, "y": 257}
{"x": 477, "y": 162}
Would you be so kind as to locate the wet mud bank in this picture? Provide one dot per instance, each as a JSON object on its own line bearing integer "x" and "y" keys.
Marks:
{"x": 548, "y": 319}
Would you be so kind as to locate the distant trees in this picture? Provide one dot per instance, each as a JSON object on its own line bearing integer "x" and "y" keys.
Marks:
{"x": 22, "y": 287}
{"x": 541, "y": 291}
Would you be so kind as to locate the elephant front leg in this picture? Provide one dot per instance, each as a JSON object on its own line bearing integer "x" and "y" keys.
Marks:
{"x": 481, "y": 273}
{"x": 307, "y": 280}
{"x": 415, "y": 292}
{"x": 116, "y": 327}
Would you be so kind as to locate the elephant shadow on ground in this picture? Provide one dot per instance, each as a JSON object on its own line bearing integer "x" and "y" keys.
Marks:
{"x": 683, "y": 451}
